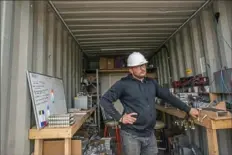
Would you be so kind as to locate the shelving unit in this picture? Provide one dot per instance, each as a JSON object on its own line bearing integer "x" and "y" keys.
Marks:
{"x": 98, "y": 100}
{"x": 96, "y": 97}
{"x": 123, "y": 70}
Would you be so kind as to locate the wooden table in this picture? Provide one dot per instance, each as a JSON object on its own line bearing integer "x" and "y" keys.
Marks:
{"x": 210, "y": 124}
{"x": 58, "y": 133}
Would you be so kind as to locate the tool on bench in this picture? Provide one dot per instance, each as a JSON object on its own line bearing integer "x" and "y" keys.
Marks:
{"x": 203, "y": 117}
{"x": 217, "y": 112}
{"x": 214, "y": 103}
{"x": 213, "y": 113}
{"x": 199, "y": 118}
{"x": 214, "y": 110}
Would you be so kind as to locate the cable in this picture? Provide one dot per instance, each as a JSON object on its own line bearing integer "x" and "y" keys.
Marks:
{"x": 218, "y": 32}
{"x": 223, "y": 82}
{"x": 217, "y": 39}
{"x": 221, "y": 37}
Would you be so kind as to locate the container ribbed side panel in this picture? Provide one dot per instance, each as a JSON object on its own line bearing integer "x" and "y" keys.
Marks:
{"x": 32, "y": 38}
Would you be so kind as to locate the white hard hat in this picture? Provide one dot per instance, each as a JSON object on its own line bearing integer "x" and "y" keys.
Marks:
{"x": 136, "y": 59}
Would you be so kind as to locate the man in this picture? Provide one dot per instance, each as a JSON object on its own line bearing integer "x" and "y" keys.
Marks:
{"x": 137, "y": 94}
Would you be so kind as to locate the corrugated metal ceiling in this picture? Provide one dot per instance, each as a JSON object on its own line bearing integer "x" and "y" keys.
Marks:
{"x": 118, "y": 27}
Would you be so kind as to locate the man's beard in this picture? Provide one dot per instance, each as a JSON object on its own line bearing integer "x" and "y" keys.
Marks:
{"x": 139, "y": 77}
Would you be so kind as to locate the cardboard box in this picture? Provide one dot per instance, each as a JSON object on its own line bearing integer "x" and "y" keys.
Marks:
{"x": 103, "y": 63}
{"x": 119, "y": 62}
{"x": 106, "y": 63}
{"x": 56, "y": 147}
{"x": 110, "y": 63}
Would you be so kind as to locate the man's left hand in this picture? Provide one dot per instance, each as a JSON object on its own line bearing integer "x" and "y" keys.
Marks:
{"x": 194, "y": 112}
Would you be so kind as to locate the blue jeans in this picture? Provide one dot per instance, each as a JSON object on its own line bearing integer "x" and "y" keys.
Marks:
{"x": 134, "y": 145}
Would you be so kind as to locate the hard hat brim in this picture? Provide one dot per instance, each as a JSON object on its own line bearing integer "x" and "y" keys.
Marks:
{"x": 135, "y": 65}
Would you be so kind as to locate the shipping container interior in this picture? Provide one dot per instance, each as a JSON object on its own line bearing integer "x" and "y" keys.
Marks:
{"x": 188, "y": 44}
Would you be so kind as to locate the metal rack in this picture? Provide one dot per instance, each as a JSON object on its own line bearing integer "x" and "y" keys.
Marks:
{"x": 98, "y": 101}
{"x": 96, "y": 97}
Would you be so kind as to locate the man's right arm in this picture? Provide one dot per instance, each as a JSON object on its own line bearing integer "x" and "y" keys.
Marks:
{"x": 112, "y": 95}
{"x": 165, "y": 94}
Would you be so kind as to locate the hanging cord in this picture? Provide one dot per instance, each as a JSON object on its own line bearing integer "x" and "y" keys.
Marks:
{"x": 217, "y": 15}
{"x": 223, "y": 82}
{"x": 219, "y": 35}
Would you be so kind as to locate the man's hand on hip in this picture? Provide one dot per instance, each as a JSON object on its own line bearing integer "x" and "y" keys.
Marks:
{"x": 128, "y": 118}
{"x": 194, "y": 112}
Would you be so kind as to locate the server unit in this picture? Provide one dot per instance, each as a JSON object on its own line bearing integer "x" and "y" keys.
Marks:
{"x": 223, "y": 80}
{"x": 83, "y": 102}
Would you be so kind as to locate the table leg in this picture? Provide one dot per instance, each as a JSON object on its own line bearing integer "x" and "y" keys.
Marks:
{"x": 212, "y": 142}
{"x": 67, "y": 146}
{"x": 38, "y": 147}
{"x": 164, "y": 117}
{"x": 95, "y": 117}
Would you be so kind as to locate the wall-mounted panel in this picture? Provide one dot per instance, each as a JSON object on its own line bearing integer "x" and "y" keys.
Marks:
{"x": 210, "y": 42}
{"x": 174, "y": 64}
{"x": 160, "y": 73}
{"x": 65, "y": 61}
{"x": 187, "y": 52}
{"x": 59, "y": 51}
{"x": 197, "y": 47}
{"x": 39, "y": 37}
{"x": 180, "y": 55}
{"x": 165, "y": 67}
{"x": 51, "y": 43}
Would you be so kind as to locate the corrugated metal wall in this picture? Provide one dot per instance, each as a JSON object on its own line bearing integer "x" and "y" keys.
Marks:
{"x": 32, "y": 38}
{"x": 204, "y": 46}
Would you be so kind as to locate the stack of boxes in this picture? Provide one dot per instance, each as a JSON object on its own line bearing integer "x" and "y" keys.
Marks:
{"x": 111, "y": 63}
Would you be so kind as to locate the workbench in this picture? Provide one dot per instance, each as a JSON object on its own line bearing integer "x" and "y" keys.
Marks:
{"x": 65, "y": 133}
{"x": 210, "y": 124}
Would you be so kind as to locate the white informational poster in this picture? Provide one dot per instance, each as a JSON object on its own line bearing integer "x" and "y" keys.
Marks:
{"x": 47, "y": 94}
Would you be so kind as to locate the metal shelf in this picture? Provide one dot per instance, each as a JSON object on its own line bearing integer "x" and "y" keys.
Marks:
{"x": 96, "y": 96}
{"x": 98, "y": 101}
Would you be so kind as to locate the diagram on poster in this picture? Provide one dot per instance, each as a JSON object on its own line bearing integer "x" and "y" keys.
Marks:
{"x": 47, "y": 94}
